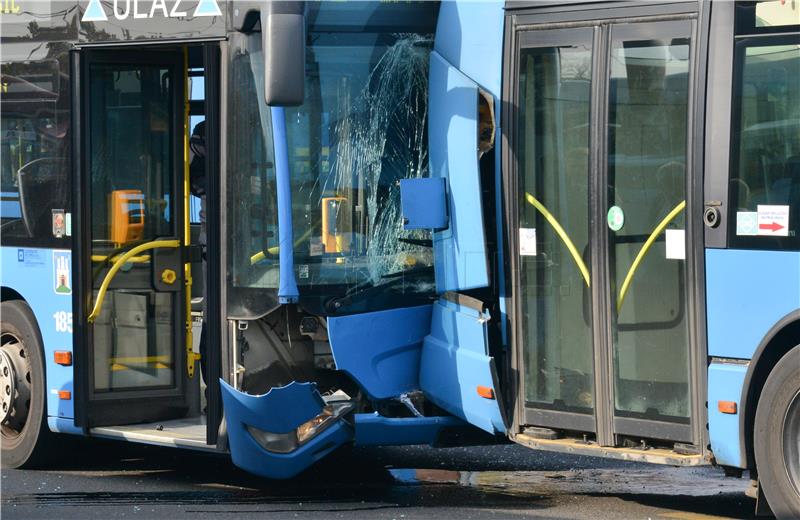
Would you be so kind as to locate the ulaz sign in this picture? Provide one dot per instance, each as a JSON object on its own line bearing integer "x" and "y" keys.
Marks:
{"x": 123, "y": 9}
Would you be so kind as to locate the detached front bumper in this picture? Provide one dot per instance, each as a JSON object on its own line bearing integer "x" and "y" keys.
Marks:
{"x": 281, "y": 433}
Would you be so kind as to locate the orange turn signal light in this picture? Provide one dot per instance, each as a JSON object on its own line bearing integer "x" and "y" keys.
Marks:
{"x": 486, "y": 392}
{"x": 728, "y": 407}
{"x": 63, "y": 357}
{"x": 65, "y": 395}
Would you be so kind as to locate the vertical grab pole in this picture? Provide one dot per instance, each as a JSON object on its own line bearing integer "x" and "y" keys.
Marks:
{"x": 287, "y": 285}
{"x": 187, "y": 237}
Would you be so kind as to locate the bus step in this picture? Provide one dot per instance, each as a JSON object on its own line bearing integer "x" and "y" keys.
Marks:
{"x": 580, "y": 447}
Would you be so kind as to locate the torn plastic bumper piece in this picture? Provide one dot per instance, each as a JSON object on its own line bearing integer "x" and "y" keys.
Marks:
{"x": 375, "y": 430}
{"x": 283, "y": 432}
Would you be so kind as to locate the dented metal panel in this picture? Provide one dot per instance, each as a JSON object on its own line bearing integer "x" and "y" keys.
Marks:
{"x": 381, "y": 350}
{"x": 456, "y": 371}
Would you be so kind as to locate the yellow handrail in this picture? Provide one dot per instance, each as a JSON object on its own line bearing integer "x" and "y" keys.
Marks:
{"x": 562, "y": 234}
{"x": 118, "y": 263}
{"x": 134, "y": 260}
{"x": 274, "y": 250}
{"x": 191, "y": 356}
{"x": 643, "y": 251}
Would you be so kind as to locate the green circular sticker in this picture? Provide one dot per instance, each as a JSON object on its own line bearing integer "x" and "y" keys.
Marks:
{"x": 616, "y": 218}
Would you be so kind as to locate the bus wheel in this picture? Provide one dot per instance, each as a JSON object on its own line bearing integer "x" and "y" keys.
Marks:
{"x": 777, "y": 437}
{"x": 22, "y": 385}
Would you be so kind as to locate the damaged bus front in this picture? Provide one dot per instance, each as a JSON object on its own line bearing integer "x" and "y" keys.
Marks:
{"x": 236, "y": 263}
{"x": 325, "y": 324}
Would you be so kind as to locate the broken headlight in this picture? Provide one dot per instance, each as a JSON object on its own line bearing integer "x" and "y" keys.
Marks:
{"x": 290, "y": 441}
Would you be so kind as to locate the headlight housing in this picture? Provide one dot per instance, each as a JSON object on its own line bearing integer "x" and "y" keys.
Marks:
{"x": 290, "y": 441}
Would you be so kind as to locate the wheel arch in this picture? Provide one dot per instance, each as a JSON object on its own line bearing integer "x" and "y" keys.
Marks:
{"x": 777, "y": 342}
{"x": 8, "y": 294}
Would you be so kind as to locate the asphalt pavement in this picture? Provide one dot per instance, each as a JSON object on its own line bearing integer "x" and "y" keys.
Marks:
{"x": 104, "y": 479}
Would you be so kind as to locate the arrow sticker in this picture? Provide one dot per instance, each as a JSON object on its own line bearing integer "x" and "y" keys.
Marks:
{"x": 772, "y": 226}
{"x": 773, "y": 221}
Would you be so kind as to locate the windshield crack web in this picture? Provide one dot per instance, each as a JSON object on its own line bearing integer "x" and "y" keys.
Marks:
{"x": 380, "y": 141}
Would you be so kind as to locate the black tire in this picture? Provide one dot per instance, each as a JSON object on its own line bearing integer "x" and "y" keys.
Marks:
{"x": 25, "y": 444}
{"x": 777, "y": 437}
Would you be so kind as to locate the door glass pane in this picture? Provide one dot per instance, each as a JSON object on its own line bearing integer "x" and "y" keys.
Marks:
{"x": 648, "y": 94}
{"x": 553, "y": 154}
{"x": 252, "y": 213}
{"x": 131, "y": 178}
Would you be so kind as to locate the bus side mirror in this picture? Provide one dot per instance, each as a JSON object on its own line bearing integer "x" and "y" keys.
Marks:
{"x": 283, "y": 29}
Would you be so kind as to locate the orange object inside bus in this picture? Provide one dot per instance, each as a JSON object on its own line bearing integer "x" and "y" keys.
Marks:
{"x": 335, "y": 238}
{"x": 127, "y": 216}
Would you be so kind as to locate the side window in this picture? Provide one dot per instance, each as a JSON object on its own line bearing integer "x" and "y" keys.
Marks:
{"x": 34, "y": 144}
{"x": 764, "y": 190}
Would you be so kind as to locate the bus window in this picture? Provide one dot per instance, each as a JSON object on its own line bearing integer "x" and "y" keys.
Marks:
{"x": 766, "y": 142}
{"x": 361, "y": 130}
{"x": 34, "y": 146}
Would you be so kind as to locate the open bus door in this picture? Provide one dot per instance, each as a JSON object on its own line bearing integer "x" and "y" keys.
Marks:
{"x": 130, "y": 227}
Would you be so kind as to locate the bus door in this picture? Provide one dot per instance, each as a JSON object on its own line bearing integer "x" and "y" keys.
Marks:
{"x": 597, "y": 205}
{"x": 130, "y": 233}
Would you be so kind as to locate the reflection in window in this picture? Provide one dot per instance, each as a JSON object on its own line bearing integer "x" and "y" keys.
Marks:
{"x": 361, "y": 130}
{"x": 774, "y": 13}
{"x": 766, "y": 158}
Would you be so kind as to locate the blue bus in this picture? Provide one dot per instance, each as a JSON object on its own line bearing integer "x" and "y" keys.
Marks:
{"x": 568, "y": 224}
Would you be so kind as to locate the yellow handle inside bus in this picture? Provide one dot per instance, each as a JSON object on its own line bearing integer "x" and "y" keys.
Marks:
{"x": 134, "y": 260}
{"x": 562, "y": 234}
{"x": 645, "y": 248}
{"x": 118, "y": 263}
{"x": 274, "y": 250}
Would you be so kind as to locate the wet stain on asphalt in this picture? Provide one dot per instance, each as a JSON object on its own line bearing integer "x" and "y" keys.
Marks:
{"x": 371, "y": 485}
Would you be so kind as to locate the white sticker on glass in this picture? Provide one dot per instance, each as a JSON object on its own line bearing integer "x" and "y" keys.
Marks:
{"x": 676, "y": 244}
{"x": 527, "y": 241}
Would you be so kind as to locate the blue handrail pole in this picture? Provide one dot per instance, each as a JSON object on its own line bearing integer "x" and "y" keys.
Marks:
{"x": 287, "y": 285}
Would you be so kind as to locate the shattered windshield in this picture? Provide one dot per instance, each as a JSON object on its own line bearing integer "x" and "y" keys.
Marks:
{"x": 361, "y": 129}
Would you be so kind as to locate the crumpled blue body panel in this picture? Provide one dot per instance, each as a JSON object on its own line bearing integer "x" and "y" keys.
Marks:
{"x": 460, "y": 250}
{"x": 281, "y": 410}
{"x": 456, "y": 361}
{"x": 381, "y": 350}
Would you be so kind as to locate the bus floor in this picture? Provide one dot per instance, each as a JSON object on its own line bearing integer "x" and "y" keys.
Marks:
{"x": 188, "y": 432}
